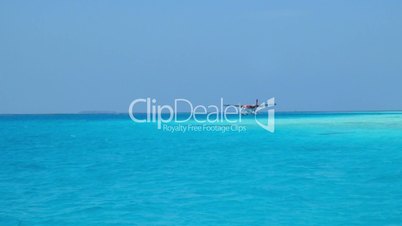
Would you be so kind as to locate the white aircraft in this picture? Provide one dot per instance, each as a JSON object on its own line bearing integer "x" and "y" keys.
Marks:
{"x": 246, "y": 109}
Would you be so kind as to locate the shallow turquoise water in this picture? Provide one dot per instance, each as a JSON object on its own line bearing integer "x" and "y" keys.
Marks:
{"x": 316, "y": 169}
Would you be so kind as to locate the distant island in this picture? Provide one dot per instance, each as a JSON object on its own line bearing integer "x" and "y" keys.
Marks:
{"x": 98, "y": 112}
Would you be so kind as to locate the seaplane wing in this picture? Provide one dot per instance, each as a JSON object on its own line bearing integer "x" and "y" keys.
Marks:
{"x": 261, "y": 106}
{"x": 264, "y": 105}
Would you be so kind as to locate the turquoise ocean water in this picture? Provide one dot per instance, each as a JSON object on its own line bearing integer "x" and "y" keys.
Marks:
{"x": 316, "y": 169}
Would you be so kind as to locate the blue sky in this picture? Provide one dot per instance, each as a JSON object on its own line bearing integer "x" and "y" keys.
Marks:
{"x": 71, "y": 56}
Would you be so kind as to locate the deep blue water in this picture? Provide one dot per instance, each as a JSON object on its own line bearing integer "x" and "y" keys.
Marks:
{"x": 316, "y": 169}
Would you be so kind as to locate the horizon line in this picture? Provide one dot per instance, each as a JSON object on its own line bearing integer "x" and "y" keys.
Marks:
{"x": 183, "y": 112}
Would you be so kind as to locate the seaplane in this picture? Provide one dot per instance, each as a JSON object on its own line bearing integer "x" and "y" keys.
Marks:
{"x": 247, "y": 109}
